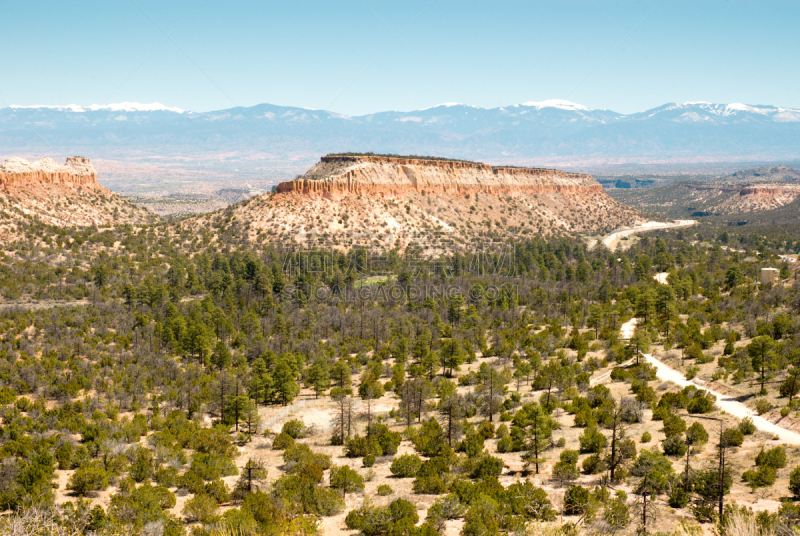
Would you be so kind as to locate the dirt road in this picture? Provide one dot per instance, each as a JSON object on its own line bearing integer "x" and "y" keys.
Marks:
{"x": 725, "y": 403}
{"x": 611, "y": 240}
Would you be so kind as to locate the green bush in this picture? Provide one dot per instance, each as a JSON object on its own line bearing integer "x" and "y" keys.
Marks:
{"x": 296, "y": 429}
{"x": 700, "y": 404}
{"x": 763, "y": 406}
{"x": 88, "y": 478}
{"x": 64, "y": 454}
{"x": 732, "y": 437}
{"x": 345, "y": 477}
{"x": 487, "y": 467}
{"x": 201, "y": 508}
{"x": 369, "y": 460}
{"x": 406, "y": 466}
{"x": 593, "y": 465}
{"x": 217, "y": 490}
{"x": 646, "y": 437}
{"x": 191, "y": 482}
{"x": 674, "y": 446}
{"x": 763, "y": 477}
{"x": 282, "y": 442}
{"x": 774, "y": 457}
{"x": 697, "y": 434}
{"x": 141, "y": 463}
{"x": 592, "y": 441}
{"x": 747, "y": 427}
{"x": 212, "y": 466}
{"x": 384, "y": 490}
{"x": 429, "y": 485}
{"x": 167, "y": 477}
{"x": 794, "y": 482}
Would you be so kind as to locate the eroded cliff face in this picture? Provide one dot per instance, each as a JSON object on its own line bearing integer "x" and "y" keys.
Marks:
{"x": 76, "y": 172}
{"x": 336, "y": 176}
{"x": 64, "y": 195}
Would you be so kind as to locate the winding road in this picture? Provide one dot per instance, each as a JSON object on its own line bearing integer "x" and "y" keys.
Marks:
{"x": 724, "y": 402}
{"x": 611, "y": 240}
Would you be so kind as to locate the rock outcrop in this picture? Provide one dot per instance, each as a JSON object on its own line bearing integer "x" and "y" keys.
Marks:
{"x": 78, "y": 172}
{"x": 382, "y": 203}
{"x": 67, "y": 195}
{"x": 335, "y": 176}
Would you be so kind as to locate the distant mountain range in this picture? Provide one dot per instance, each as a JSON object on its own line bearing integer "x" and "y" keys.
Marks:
{"x": 520, "y": 133}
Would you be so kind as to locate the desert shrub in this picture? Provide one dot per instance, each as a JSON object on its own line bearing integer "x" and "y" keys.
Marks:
{"x": 296, "y": 429}
{"x": 592, "y": 441}
{"x": 732, "y": 437}
{"x": 343, "y": 477}
{"x": 697, "y": 434}
{"x": 673, "y": 425}
{"x": 381, "y": 442}
{"x": 282, "y": 442}
{"x": 299, "y": 496}
{"x": 141, "y": 463}
{"x": 674, "y": 446}
{"x": 406, "y": 466}
{"x": 369, "y": 460}
{"x": 191, "y": 482}
{"x": 577, "y": 501}
{"x": 678, "y": 497}
{"x": 761, "y": 478}
{"x": 747, "y": 427}
{"x": 444, "y": 508}
{"x": 794, "y": 482}
{"x": 691, "y": 372}
{"x": 774, "y": 457}
{"x": 565, "y": 469}
{"x": 167, "y": 477}
{"x": 486, "y": 429}
{"x": 763, "y": 406}
{"x": 529, "y": 501}
{"x": 487, "y": 467}
{"x": 384, "y": 490}
{"x": 700, "y": 404}
{"x": 217, "y": 490}
{"x": 646, "y": 437}
{"x": 63, "y": 455}
{"x": 88, "y": 478}
{"x": 429, "y": 485}
{"x": 593, "y": 464}
{"x": 212, "y": 466}
{"x": 201, "y": 508}
{"x": 400, "y": 517}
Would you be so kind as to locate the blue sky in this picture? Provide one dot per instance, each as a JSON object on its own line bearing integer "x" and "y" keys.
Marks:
{"x": 361, "y": 56}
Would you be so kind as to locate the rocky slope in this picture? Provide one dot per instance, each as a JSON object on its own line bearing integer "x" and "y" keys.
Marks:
{"x": 744, "y": 192}
{"x": 62, "y": 195}
{"x": 384, "y": 202}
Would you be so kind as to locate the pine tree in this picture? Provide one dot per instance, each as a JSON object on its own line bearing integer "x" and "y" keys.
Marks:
{"x": 285, "y": 384}
{"x": 540, "y": 431}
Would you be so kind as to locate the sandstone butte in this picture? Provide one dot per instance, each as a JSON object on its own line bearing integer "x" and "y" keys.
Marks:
{"x": 77, "y": 172}
{"x": 339, "y": 175}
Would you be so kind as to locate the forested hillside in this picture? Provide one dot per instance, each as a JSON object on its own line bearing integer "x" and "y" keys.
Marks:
{"x": 159, "y": 381}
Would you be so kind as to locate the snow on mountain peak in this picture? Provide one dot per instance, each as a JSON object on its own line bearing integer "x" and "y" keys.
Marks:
{"x": 447, "y": 105}
{"x": 136, "y": 107}
{"x": 114, "y": 107}
{"x": 556, "y": 103}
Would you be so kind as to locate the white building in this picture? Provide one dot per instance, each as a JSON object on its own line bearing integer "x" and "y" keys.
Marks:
{"x": 769, "y": 276}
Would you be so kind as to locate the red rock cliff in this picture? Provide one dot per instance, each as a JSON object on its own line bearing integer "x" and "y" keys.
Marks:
{"x": 342, "y": 175}
{"x": 76, "y": 172}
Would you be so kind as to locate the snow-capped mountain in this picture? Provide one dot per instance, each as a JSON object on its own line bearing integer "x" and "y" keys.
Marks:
{"x": 518, "y": 132}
